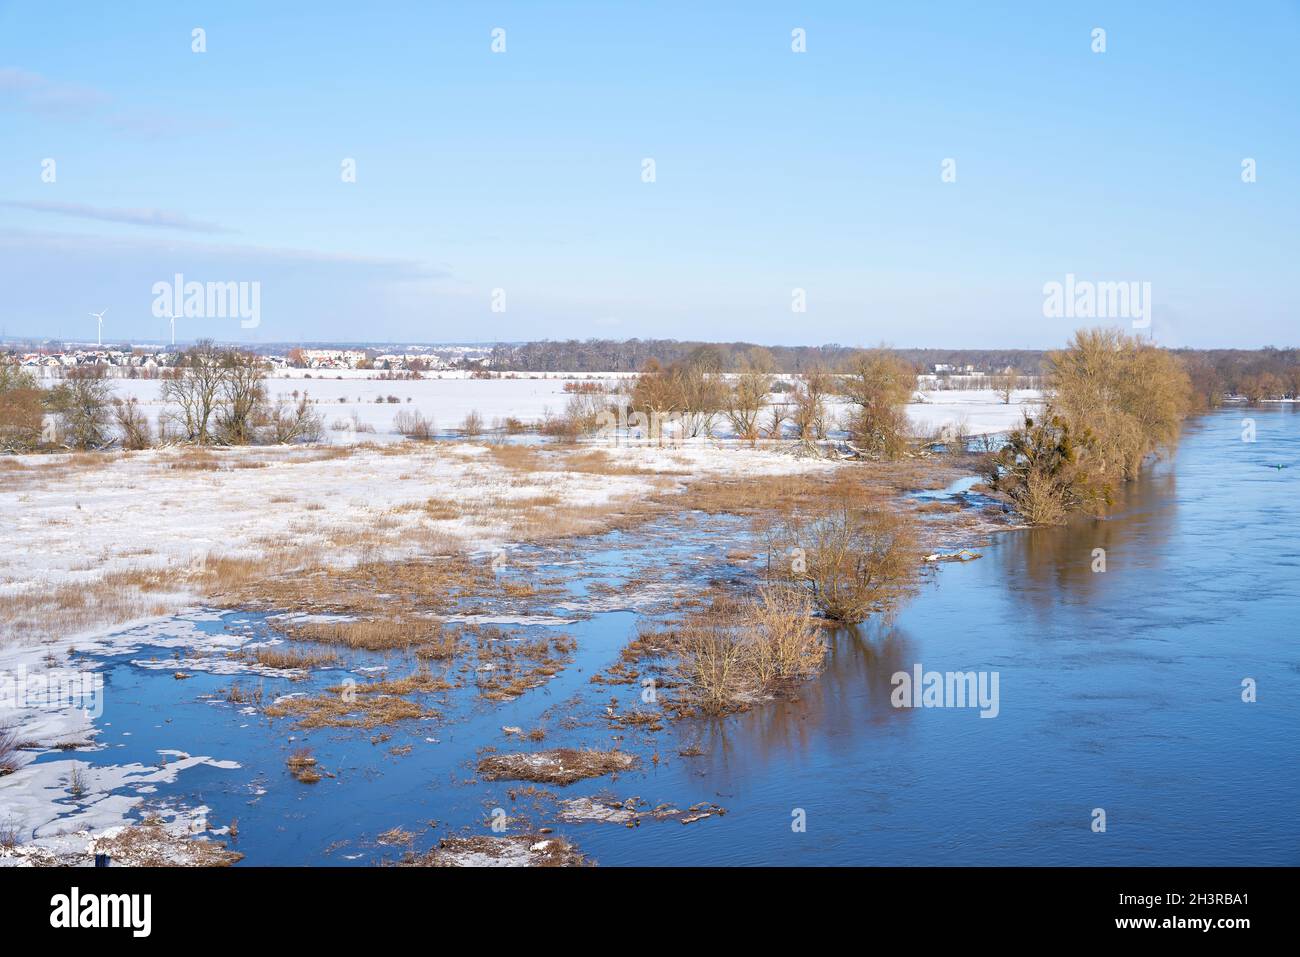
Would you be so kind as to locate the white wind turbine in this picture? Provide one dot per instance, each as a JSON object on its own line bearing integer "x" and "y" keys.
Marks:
{"x": 99, "y": 318}
{"x": 172, "y": 318}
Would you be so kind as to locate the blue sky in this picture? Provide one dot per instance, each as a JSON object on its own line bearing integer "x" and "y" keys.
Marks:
{"x": 774, "y": 170}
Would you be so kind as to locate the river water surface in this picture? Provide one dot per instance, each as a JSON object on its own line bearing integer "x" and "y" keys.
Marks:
{"x": 1119, "y": 690}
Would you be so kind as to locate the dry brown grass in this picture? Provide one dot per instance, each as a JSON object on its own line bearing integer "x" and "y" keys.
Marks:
{"x": 196, "y": 460}
{"x": 337, "y": 711}
{"x": 421, "y": 681}
{"x": 238, "y": 693}
{"x": 150, "y": 845}
{"x": 368, "y": 635}
{"x": 292, "y": 659}
{"x": 511, "y": 668}
{"x": 520, "y": 458}
{"x": 303, "y": 766}
{"x": 599, "y": 462}
{"x": 558, "y": 766}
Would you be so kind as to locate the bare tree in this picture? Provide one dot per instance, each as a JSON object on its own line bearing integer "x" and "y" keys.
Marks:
{"x": 195, "y": 391}
{"x": 242, "y": 398}
{"x": 879, "y": 385}
{"x": 812, "y": 390}
{"x": 1005, "y": 383}
{"x": 749, "y": 393}
{"x": 82, "y": 404}
{"x": 702, "y": 392}
{"x": 656, "y": 396}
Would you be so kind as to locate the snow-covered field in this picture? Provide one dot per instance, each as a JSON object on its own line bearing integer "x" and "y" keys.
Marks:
{"x": 447, "y": 400}
{"x": 71, "y": 523}
{"x": 982, "y": 412}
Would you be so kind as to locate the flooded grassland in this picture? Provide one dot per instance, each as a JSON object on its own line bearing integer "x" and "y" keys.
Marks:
{"x": 482, "y": 671}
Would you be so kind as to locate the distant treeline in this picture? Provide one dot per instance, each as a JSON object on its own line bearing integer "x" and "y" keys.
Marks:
{"x": 1270, "y": 370}
{"x": 607, "y": 355}
{"x": 1256, "y": 374}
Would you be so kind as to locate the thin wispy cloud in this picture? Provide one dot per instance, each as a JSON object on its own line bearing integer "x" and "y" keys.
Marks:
{"x": 157, "y": 218}
{"x": 25, "y": 90}
{"x": 396, "y": 269}
{"x": 34, "y": 93}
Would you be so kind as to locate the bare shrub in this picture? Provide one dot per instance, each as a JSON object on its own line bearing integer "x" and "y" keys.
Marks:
{"x": 712, "y": 661}
{"x": 77, "y": 782}
{"x": 286, "y": 423}
{"x": 692, "y": 389}
{"x": 1042, "y": 470}
{"x": 785, "y": 644}
{"x": 812, "y": 391}
{"x": 583, "y": 412}
{"x": 856, "y": 560}
{"x": 413, "y": 424}
{"x": 132, "y": 425}
{"x": 472, "y": 426}
{"x": 8, "y": 752}
{"x": 20, "y": 409}
{"x": 958, "y": 436}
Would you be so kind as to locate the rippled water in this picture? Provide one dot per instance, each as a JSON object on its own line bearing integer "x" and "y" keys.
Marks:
{"x": 1119, "y": 690}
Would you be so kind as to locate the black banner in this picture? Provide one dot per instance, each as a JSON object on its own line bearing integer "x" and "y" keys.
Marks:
{"x": 143, "y": 906}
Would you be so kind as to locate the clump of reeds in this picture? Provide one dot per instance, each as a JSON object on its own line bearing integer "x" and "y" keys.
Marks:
{"x": 736, "y": 652}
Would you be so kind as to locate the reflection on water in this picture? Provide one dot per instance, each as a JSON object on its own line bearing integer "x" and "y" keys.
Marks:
{"x": 1119, "y": 690}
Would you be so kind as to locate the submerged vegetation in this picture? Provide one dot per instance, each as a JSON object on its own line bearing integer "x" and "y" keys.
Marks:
{"x": 739, "y": 651}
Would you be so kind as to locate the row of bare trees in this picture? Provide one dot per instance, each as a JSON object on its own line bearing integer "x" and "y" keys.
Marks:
{"x": 874, "y": 383}
{"x": 213, "y": 396}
